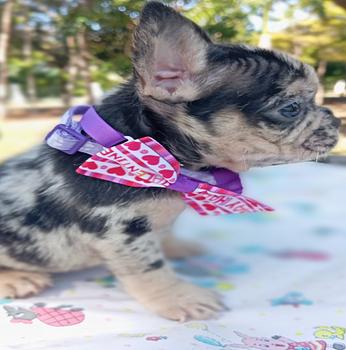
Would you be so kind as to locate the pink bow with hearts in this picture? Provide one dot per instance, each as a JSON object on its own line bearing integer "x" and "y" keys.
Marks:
{"x": 136, "y": 163}
{"x": 146, "y": 163}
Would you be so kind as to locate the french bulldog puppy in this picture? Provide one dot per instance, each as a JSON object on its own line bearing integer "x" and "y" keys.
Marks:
{"x": 210, "y": 105}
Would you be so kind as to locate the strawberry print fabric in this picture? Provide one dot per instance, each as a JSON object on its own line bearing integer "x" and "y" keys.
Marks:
{"x": 282, "y": 274}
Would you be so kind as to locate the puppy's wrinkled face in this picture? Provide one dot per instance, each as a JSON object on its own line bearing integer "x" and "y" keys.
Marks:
{"x": 242, "y": 106}
{"x": 269, "y": 116}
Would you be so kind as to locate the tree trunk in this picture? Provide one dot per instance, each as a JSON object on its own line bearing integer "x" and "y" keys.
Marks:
{"x": 84, "y": 64}
{"x": 321, "y": 71}
{"x": 265, "y": 37}
{"x": 27, "y": 55}
{"x": 341, "y": 3}
{"x": 297, "y": 50}
{"x": 5, "y": 31}
{"x": 72, "y": 70}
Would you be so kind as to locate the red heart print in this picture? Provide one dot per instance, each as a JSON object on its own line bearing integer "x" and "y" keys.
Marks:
{"x": 209, "y": 206}
{"x": 166, "y": 173}
{"x": 200, "y": 198}
{"x": 152, "y": 160}
{"x": 133, "y": 145}
{"x": 117, "y": 171}
{"x": 90, "y": 165}
{"x": 139, "y": 179}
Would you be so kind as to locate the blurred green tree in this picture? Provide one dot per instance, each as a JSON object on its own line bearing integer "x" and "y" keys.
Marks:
{"x": 318, "y": 40}
{"x": 224, "y": 20}
{"x": 65, "y": 46}
{"x": 5, "y": 31}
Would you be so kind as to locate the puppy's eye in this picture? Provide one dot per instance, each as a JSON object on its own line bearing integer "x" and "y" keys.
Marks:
{"x": 291, "y": 110}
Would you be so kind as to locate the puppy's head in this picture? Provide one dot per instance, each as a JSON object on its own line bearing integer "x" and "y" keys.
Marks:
{"x": 240, "y": 106}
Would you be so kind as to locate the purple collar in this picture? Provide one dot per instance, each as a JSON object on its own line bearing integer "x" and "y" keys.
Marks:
{"x": 92, "y": 134}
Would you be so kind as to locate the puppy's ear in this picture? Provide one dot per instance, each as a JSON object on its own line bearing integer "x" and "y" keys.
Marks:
{"x": 169, "y": 54}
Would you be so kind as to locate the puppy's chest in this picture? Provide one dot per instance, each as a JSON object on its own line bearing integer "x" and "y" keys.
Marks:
{"x": 159, "y": 213}
{"x": 123, "y": 225}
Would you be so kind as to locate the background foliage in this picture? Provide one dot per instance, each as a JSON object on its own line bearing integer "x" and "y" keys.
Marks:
{"x": 59, "y": 47}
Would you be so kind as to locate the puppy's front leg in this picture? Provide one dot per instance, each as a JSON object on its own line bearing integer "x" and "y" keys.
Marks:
{"x": 175, "y": 248}
{"x": 139, "y": 264}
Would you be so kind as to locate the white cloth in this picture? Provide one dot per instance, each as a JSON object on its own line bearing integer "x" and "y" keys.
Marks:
{"x": 259, "y": 262}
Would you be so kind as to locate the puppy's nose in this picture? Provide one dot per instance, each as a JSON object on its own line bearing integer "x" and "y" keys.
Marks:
{"x": 326, "y": 110}
{"x": 336, "y": 122}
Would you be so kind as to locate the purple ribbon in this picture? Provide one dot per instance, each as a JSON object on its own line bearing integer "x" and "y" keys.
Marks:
{"x": 99, "y": 130}
{"x": 68, "y": 137}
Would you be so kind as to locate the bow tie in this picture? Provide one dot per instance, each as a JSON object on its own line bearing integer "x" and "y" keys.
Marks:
{"x": 144, "y": 162}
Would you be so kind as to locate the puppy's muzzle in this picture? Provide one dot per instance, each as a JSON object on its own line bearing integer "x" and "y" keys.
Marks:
{"x": 325, "y": 136}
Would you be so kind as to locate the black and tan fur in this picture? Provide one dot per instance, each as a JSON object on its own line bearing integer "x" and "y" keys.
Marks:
{"x": 210, "y": 105}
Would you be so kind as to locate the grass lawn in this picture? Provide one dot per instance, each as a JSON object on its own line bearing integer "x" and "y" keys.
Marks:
{"x": 19, "y": 135}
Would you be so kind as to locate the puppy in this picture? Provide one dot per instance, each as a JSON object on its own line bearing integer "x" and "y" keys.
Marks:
{"x": 210, "y": 105}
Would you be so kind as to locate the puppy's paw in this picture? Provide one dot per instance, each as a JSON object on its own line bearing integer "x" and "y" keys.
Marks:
{"x": 175, "y": 248}
{"x": 22, "y": 284}
{"x": 186, "y": 301}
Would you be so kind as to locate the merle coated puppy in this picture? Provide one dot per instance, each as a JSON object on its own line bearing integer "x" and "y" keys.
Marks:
{"x": 229, "y": 106}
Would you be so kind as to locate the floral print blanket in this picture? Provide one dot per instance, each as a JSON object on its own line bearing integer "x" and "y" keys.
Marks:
{"x": 282, "y": 275}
